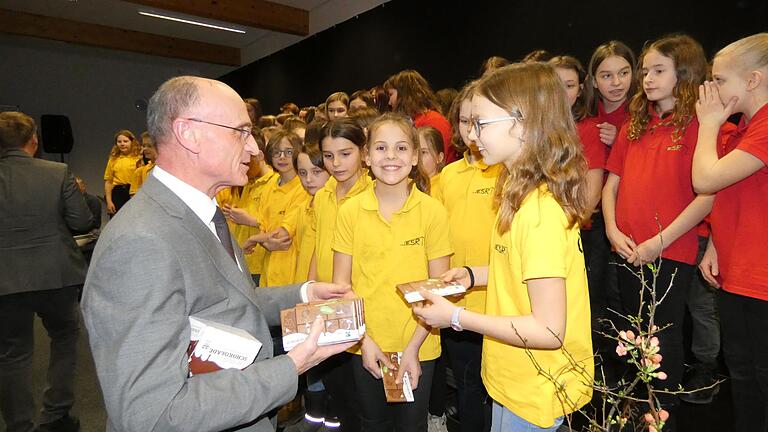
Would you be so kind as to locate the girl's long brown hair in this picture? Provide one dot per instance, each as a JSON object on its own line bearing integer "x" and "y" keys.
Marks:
{"x": 417, "y": 172}
{"x": 453, "y": 116}
{"x": 690, "y": 69}
{"x": 551, "y": 151}
{"x": 414, "y": 95}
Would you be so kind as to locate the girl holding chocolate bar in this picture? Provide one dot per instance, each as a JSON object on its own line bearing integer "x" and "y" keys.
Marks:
{"x": 537, "y": 300}
{"x": 390, "y": 234}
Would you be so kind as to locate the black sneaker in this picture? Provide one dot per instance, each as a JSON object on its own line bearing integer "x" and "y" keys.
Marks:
{"x": 314, "y": 402}
{"x": 704, "y": 378}
{"x": 64, "y": 424}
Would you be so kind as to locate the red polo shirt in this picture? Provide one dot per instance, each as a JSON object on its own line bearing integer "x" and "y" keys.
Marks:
{"x": 739, "y": 225}
{"x": 437, "y": 121}
{"x": 595, "y": 151}
{"x": 655, "y": 183}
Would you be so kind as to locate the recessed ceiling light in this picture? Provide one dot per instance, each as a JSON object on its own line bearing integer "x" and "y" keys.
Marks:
{"x": 188, "y": 21}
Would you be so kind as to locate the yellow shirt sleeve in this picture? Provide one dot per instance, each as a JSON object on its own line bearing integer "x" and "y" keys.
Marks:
{"x": 109, "y": 172}
{"x": 540, "y": 239}
{"x": 343, "y": 235}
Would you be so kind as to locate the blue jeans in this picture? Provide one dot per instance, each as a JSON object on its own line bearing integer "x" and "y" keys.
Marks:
{"x": 504, "y": 420}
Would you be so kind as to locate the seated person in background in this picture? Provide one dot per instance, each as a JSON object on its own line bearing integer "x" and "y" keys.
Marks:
{"x": 94, "y": 205}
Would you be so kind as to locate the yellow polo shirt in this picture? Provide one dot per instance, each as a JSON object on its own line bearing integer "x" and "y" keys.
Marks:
{"x": 434, "y": 185}
{"x": 299, "y": 224}
{"x": 249, "y": 200}
{"x": 120, "y": 169}
{"x": 385, "y": 254}
{"x": 276, "y": 200}
{"x": 140, "y": 176}
{"x": 326, "y": 208}
{"x": 539, "y": 244}
{"x": 467, "y": 190}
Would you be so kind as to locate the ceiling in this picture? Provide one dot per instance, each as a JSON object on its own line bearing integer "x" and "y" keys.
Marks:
{"x": 118, "y": 25}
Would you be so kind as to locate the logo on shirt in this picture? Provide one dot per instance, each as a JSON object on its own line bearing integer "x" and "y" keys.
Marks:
{"x": 417, "y": 241}
{"x": 500, "y": 248}
{"x": 484, "y": 191}
{"x": 676, "y": 147}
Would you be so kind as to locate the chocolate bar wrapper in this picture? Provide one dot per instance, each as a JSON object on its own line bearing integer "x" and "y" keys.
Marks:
{"x": 214, "y": 346}
{"x": 412, "y": 290}
{"x": 393, "y": 391}
{"x": 344, "y": 322}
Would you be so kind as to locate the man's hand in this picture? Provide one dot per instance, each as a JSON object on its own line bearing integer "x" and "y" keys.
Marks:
{"x": 307, "y": 354}
{"x": 327, "y": 291}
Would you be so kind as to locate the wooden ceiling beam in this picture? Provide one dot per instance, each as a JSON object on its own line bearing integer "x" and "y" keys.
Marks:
{"x": 252, "y": 13}
{"x": 45, "y": 27}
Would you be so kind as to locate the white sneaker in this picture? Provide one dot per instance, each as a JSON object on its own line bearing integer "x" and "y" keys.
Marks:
{"x": 436, "y": 424}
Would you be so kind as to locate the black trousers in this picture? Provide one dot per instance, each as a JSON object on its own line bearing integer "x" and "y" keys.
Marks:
{"x": 670, "y": 311}
{"x": 376, "y": 415}
{"x": 58, "y": 310}
{"x": 744, "y": 327}
{"x": 120, "y": 196}
{"x": 465, "y": 351}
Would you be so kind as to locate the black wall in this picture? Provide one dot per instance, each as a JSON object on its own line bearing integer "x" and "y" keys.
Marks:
{"x": 448, "y": 40}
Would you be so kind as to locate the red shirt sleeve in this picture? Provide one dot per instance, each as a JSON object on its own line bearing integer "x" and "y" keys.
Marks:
{"x": 755, "y": 140}
{"x": 615, "y": 162}
{"x": 595, "y": 151}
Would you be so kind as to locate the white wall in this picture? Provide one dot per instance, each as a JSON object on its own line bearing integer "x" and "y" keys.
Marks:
{"x": 96, "y": 88}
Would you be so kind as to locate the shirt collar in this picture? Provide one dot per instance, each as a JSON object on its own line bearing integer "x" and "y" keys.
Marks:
{"x": 478, "y": 164}
{"x": 743, "y": 124}
{"x": 201, "y": 204}
{"x": 369, "y": 201}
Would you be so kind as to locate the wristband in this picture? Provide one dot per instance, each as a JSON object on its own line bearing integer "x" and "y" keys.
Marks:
{"x": 471, "y": 276}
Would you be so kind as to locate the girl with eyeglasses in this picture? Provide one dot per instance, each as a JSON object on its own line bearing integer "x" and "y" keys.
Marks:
{"x": 537, "y": 297}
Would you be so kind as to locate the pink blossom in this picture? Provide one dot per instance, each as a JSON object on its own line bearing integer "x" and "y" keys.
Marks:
{"x": 656, "y": 358}
{"x": 649, "y": 418}
{"x": 664, "y": 415}
{"x": 630, "y": 335}
{"x": 654, "y": 342}
{"x": 661, "y": 375}
{"x": 621, "y": 349}
{"x": 652, "y": 428}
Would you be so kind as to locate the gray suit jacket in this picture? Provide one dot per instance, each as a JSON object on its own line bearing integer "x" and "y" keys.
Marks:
{"x": 39, "y": 205}
{"x": 154, "y": 265}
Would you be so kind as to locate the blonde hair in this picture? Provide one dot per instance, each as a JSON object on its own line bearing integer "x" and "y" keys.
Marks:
{"x": 551, "y": 153}
{"x": 133, "y": 151}
{"x": 751, "y": 51}
{"x": 404, "y": 123}
{"x": 690, "y": 69}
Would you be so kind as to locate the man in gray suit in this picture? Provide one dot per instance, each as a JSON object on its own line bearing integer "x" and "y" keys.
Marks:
{"x": 166, "y": 257}
{"x": 42, "y": 270}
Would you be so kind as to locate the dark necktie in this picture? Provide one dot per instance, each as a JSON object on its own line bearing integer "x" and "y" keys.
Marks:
{"x": 222, "y": 230}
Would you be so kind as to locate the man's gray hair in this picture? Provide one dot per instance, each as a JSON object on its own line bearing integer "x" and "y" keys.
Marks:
{"x": 174, "y": 97}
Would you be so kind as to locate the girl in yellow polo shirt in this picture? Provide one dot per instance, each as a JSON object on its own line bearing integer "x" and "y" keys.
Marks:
{"x": 537, "y": 296}
{"x": 341, "y": 142}
{"x": 149, "y": 151}
{"x": 466, "y": 190}
{"x": 390, "y": 234}
{"x": 432, "y": 155}
{"x": 282, "y": 193}
{"x": 123, "y": 160}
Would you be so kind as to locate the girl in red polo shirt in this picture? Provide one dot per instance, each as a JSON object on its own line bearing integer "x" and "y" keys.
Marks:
{"x": 736, "y": 259}
{"x": 649, "y": 205}
{"x": 411, "y": 95}
{"x": 605, "y": 109}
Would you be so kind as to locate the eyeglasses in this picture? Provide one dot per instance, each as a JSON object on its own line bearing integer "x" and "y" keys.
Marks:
{"x": 244, "y": 132}
{"x": 478, "y": 124}
{"x": 279, "y": 153}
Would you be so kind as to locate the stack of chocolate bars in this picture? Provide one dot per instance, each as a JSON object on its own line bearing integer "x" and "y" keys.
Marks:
{"x": 344, "y": 322}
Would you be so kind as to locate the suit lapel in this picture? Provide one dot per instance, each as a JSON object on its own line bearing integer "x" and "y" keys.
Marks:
{"x": 188, "y": 219}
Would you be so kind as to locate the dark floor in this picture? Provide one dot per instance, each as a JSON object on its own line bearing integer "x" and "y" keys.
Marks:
{"x": 90, "y": 407}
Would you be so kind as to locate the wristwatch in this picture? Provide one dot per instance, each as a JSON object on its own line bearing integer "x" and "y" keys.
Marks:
{"x": 455, "y": 324}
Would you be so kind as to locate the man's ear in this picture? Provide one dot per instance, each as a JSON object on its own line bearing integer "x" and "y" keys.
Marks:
{"x": 186, "y": 135}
